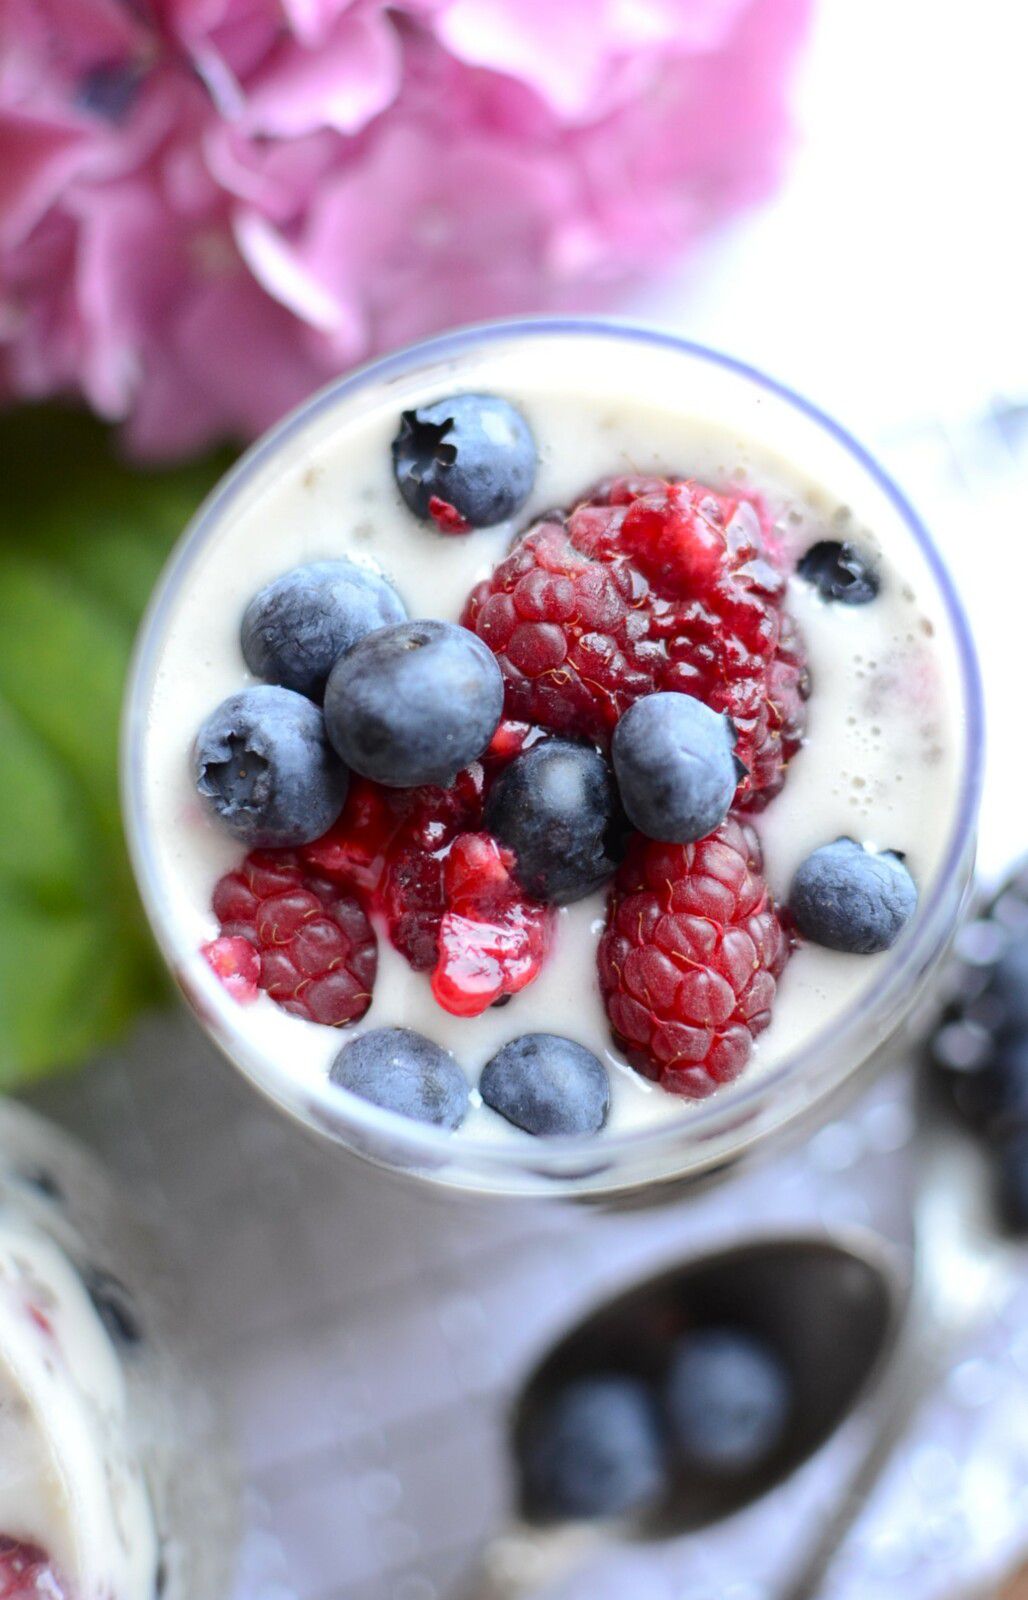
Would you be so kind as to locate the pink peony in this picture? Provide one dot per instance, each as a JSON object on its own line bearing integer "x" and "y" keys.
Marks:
{"x": 208, "y": 207}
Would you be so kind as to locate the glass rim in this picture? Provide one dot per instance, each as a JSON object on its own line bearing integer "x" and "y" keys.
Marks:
{"x": 323, "y": 1107}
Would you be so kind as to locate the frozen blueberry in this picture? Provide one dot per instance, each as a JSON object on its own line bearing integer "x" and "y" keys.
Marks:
{"x": 296, "y": 628}
{"x": 728, "y": 1401}
{"x": 402, "y": 1071}
{"x": 547, "y": 1085}
{"x": 839, "y": 571}
{"x": 595, "y": 1450}
{"x": 113, "y": 1305}
{"x": 556, "y": 807}
{"x": 265, "y": 768}
{"x": 675, "y": 766}
{"x": 473, "y": 452}
{"x": 413, "y": 703}
{"x": 847, "y": 898}
{"x": 1012, "y": 1181}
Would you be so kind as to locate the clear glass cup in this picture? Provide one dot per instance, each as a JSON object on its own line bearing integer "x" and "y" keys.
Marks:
{"x": 112, "y": 1464}
{"x": 742, "y": 1117}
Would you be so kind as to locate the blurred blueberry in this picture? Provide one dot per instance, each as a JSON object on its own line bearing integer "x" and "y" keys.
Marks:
{"x": 593, "y": 1450}
{"x": 728, "y": 1401}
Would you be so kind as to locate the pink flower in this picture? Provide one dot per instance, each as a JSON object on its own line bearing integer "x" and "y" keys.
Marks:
{"x": 208, "y": 207}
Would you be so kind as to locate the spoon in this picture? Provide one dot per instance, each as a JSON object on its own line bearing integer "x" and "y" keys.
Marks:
{"x": 963, "y": 1271}
{"x": 828, "y": 1309}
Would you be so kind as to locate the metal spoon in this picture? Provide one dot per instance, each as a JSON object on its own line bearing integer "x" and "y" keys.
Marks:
{"x": 830, "y": 1310}
{"x": 963, "y": 1272}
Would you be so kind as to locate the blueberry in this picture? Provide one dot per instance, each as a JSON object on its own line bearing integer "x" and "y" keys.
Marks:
{"x": 594, "y": 1450}
{"x": 266, "y": 769}
{"x": 676, "y": 770}
{"x": 994, "y": 1096}
{"x": 728, "y": 1400}
{"x": 556, "y": 807}
{"x": 474, "y": 452}
{"x": 414, "y": 703}
{"x": 44, "y": 1183}
{"x": 847, "y": 898}
{"x": 839, "y": 571}
{"x": 1012, "y": 1181}
{"x": 547, "y": 1085}
{"x": 296, "y": 628}
{"x": 402, "y": 1071}
{"x": 113, "y": 1305}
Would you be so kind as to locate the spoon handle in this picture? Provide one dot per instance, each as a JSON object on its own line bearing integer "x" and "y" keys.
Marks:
{"x": 523, "y": 1560}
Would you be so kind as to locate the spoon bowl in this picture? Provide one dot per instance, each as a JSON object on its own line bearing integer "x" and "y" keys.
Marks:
{"x": 828, "y": 1311}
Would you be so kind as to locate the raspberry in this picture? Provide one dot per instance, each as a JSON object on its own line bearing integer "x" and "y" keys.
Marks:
{"x": 418, "y": 857}
{"x": 234, "y": 960}
{"x": 690, "y": 956}
{"x": 492, "y": 940}
{"x": 316, "y": 947}
{"x": 649, "y": 585}
{"x": 27, "y": 1574}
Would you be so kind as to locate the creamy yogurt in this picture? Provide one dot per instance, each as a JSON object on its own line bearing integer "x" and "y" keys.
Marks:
{"x": 885, "y": 741}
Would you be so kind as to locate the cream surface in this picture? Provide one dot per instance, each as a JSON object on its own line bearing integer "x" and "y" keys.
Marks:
{"x": 70, "y": 1481}
{"x": 883, "y": 753}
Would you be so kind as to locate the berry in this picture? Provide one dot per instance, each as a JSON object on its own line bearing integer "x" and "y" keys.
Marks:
{"x": 492, "y": 940}
{"x": 1012, "y": 1182}
{"x": 265, "y": 768}
{"x": 413, "y": 703}
{"x": 846, "y": 897}
{"x": 467, "y": 459}
{"x": 593, "y": 1450}
{"x": 113, "y": 1305}
{"x": 674, "y": 763}
{"x": 234, "y": 960}
{"x": 690, "y": 956}
{"x": 402, "y": 1071}
{"x": 839, "y": 572}
{"x": 296, "y": 628}
{"x": 547, "y": 1085}
{"x": 649, "y": 585}
{"x": 981, "y": 1044}
{"x": 728, "y": 1400}
{"x": 556, "y": 807}
{"x": 26, "y": 1573}
{"x": 317, "y": 950}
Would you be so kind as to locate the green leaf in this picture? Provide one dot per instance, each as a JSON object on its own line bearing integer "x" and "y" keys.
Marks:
{"x": 82, "y": 539}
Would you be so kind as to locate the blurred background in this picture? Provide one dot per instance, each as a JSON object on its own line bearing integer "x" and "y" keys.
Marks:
{"x": 208, "y": 208}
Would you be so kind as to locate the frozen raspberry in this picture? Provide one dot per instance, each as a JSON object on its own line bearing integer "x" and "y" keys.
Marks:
{"x": 492, "y": 939}
{"x": 690, "y": 956}
{"x": 649, "y": 585}
{"x": 412, "y": 896}
{"x": 26, "y": 1573}
{"x": 235, "y": 961}
{"x": 317, "y": 950}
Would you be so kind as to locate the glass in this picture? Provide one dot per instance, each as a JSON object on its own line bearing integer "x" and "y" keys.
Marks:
{"x": 110, "y": 1460}
{"x": 741, "y": 1118}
